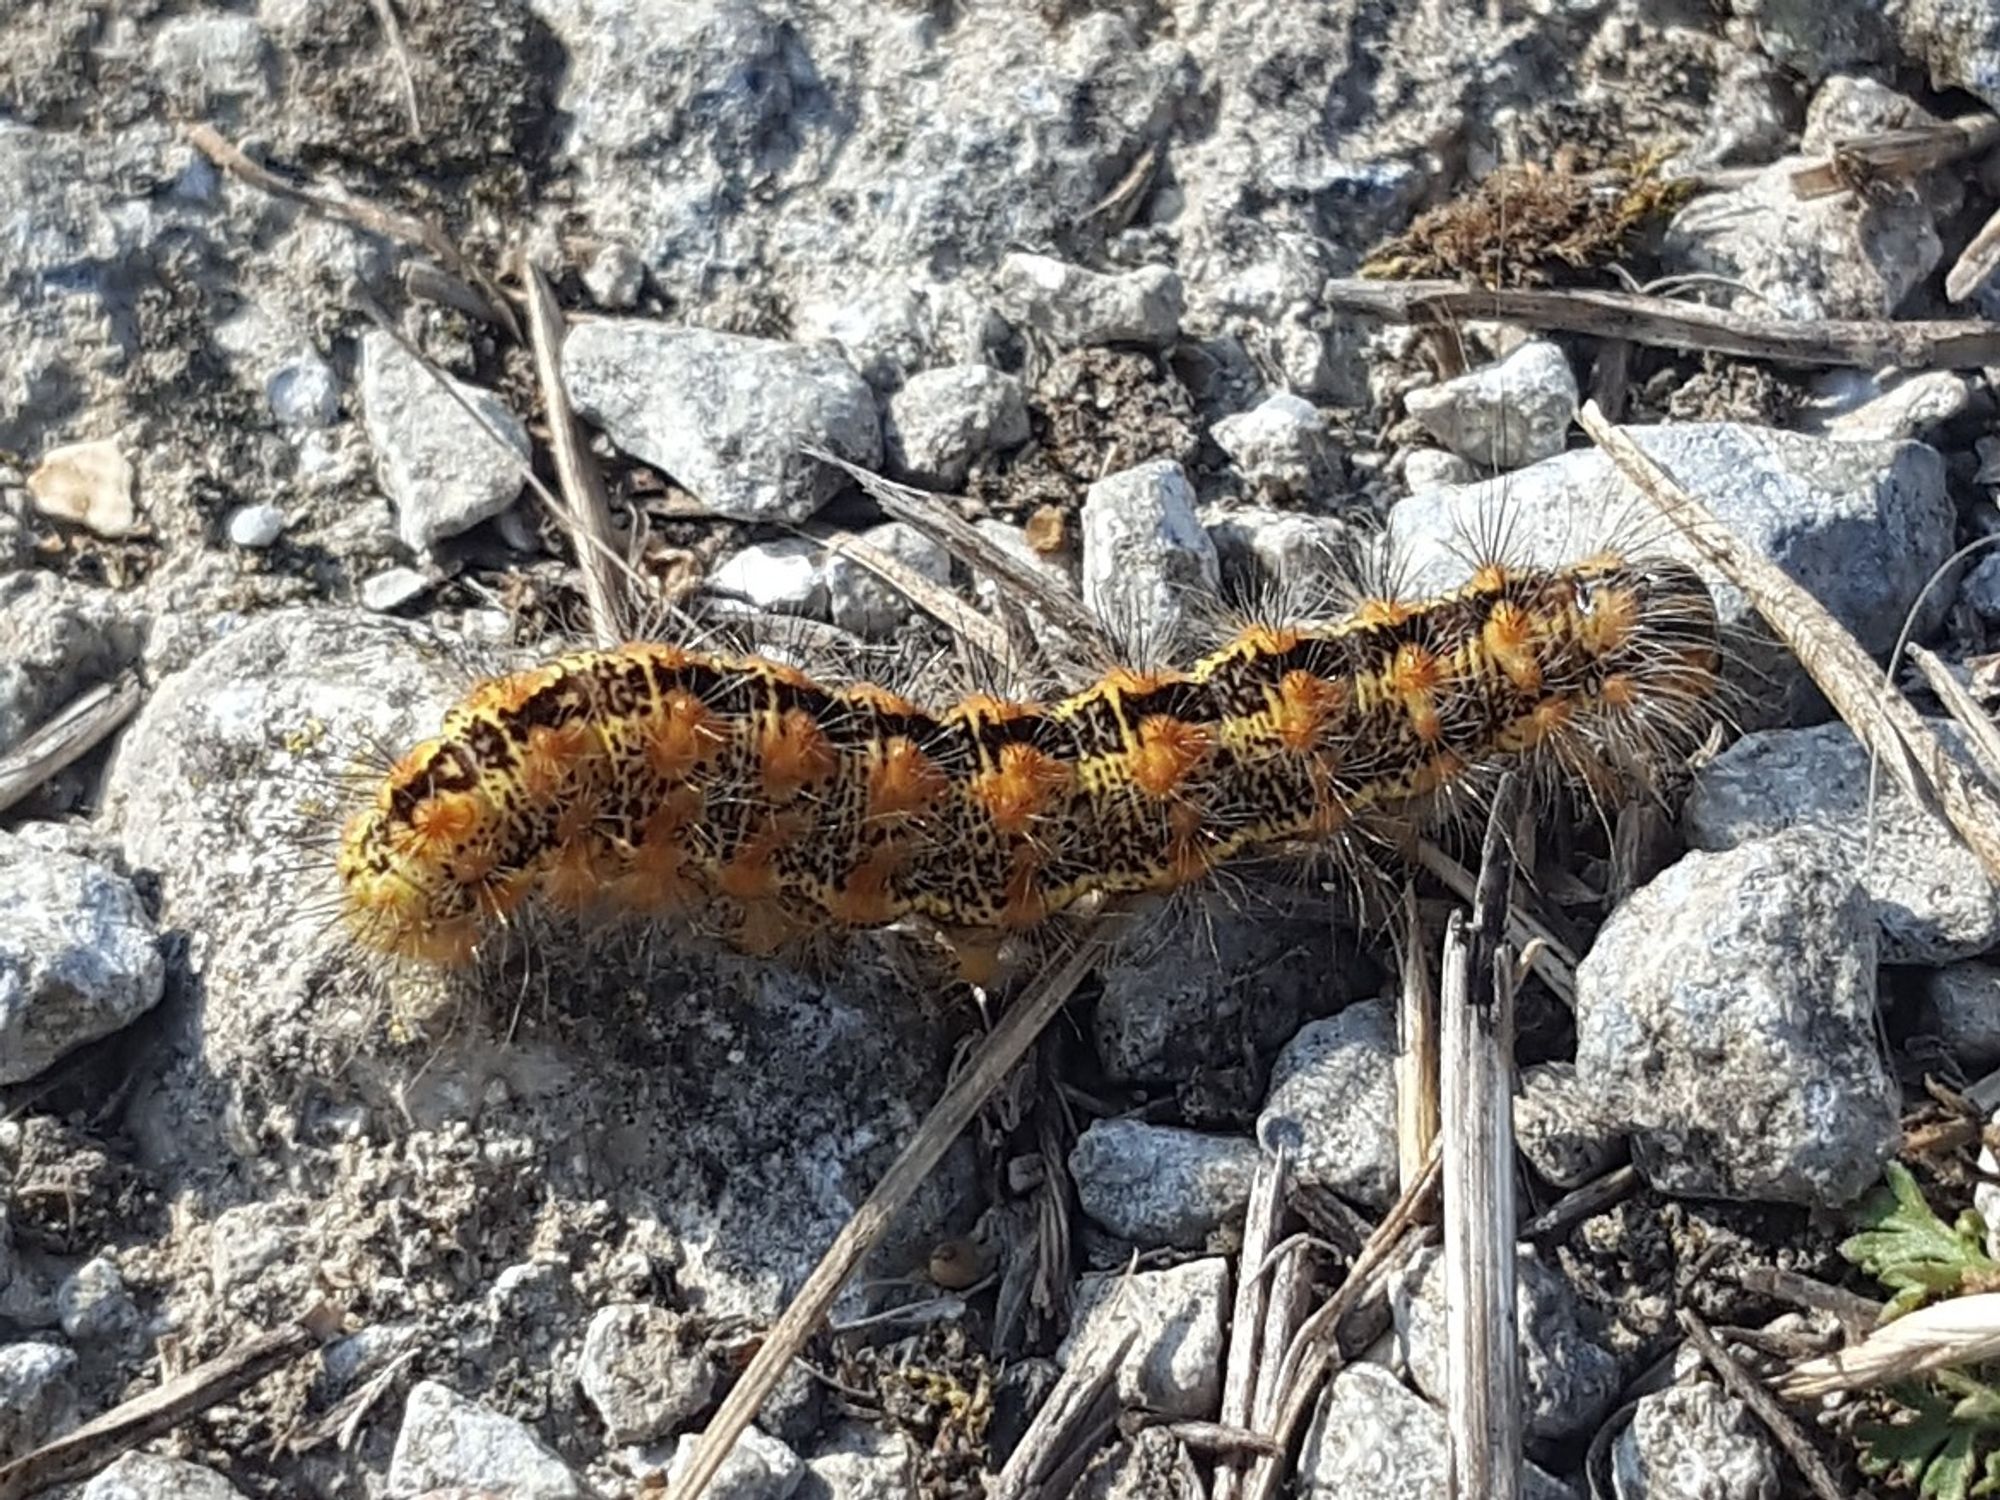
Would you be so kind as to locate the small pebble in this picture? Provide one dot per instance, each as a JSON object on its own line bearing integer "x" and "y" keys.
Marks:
{"x": 1280, "y": 446}
{"x": 256, "y": 526}
{"x": 1144, "y": 552}
{"x": 1509, "y": 414}
{"x": 152, "y": 1476}
{"x": 392, "y": 588}
{"x": 1175, "y": 1364}
{"x": 862, "y": 601}
{"x": 1963, "y": 1001}
{"x": 615, "y": 276}
{"x": 79, "y": 956}
{"x": 786, "y": 576}
{"x": 1159, "y": 1184}
{"x": 1726, "y": 1015}
{"x": 448, "y": 1441}
{"x": 87, "y": 484}
{"x": 1333, "y": 1103}
{"x": 38, "y": 1398}
{"x": 93, "y": 1305}
{"x": 1558, "y": 1128}
{"x": 1433, "y": 468}
{"x": 1078, "y": 307}
{"x": 304, "y": 393}
{"x": 758, "y": 1468}
{"x": 1694, "y": 1442}
{"x": 444, "y": 469}
{"x": 645, "y": 1371}
{"x": 941, "y": 421}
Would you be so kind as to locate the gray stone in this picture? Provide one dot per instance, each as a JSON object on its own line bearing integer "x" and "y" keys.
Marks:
{"x": 861, "y": 1462}
{"x": 211, "y": 60}
{"x": 1558, "y": 1126}
{"x": 1568, "y": 1379}
{"x": 1958, "y": 41}
{"x": 1333, "y": 1104}
{"x": 38, "y": 1398}
{"x": 1930, "y": 893}
{"x": 1727, "y": 1014}
{"x": 646, "y": 1370}
{"x": 1175, "y": 1363}
{"x": 615, "y": 276}
{"x": 1693, "y": 1442}
{"x": 1981, "y": 588}
{"x": 1435, "y": 468}
{"x": 1860, "y": 526}
{"x": 862, "y": 601}
{"x": 256, "y": 526}
{"x": 787, "y": 576}
{"x": 943, "y": 420}
{"x": 93, "y": 1305}
{"x": 1144, "y": 553}
{"x": 1963, "y": 1003}
{"x": 304, "y": 393}
{"x": 724, "y": 415}
{"x": 245, "y": 1240}
{"x": 57, "y": 640}
{"x": 392, "y": 588}
{"x": 1305, "y": 561}
{"x": 757, "y": 1468}
{"x": 444, "y": 469}
{"x": 152, "y": 1476}
{"x": 1280, "y": 446}
{"x": 1806, "y": 259}
{"x": 1375, "y": 1436}
{"x": 1158, "y": 1184}
{"x": 1074, "y": 306}
{"x": 79, "y": 957}
{"x": 1508, "y": 414}
{"x": 446, "y": 1440}
{"x": 1858, "y": 407}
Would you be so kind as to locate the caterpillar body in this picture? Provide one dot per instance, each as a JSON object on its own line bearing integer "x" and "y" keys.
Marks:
{"x": 657, "y": 779}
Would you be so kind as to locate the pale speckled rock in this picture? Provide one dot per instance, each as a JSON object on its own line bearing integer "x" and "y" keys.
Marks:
{"x": 1568, "y": 1379}
{"x": 1374, "y": 1436}
{"x": 1175, "y": 1363}
{"x": 256, "y": 526}
{"x": 646, "y": 1371}
{"x": 864, "y": 602}
{"x": 861, "y": 1462}
{"x": 1558, "y": 1127}
{"x": 1279, "y": 446}
{"x": 38, "y": 1397}
{"x": 92, "y": 1304}
{"x": 1931, "y": 895}
{"x": 59, "y": 638}
{"x": 942, "y": 420}
{"x": 79, "y": 956}
{"x": 1693, "y": 1442}
{"x": 212, "y": 61}
{"x": 758, "y": 1467}
{"x": 444, "y": 469}
{"x": 787, "y": 575}
{"x": 1333, "y": 1103}
{"x": 1726, "y": 1012}
{"x": 1075, "y": 306}
{"x": 615, "y": 276}
{"x": 1963, "y": 1002}
{"x": 724, "y": 415}
{"x": 153, "y": 1476}
{"x": 89, "y": 485}
{"x": 1434, "y": 468}
{"x": 1144, "y": 551}
{"x": 389, "y": 590}
{"x": 1861, "y": 526}
{"x": 1285, "y": 550}
{"x": 1859, "y": 407}
{"x": 304, "y": 393}
{"x": 1980, "y": 587}
{"x": 447, "y": 1440}
{"x": 1159, "y": 1184}
{"x": 1508, "y": 414}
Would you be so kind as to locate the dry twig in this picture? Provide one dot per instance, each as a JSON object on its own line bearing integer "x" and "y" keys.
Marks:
{"x": 79, "y": 727}
{"x": 1746, "y": 1388}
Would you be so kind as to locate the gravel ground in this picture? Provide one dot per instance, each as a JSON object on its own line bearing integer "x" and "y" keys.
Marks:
{"x": 1067, "y": 261}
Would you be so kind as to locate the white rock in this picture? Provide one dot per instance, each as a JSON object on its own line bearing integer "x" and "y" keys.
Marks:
{"x": 152, "y": 1476}
{"x": 1076, "y": 306}
{"x": 256, "y": 526}
{"x": 864, "y": 602}
{"x": 758, "y": 1468}
{"x": 943, "y": 420}
{"x": 615, "y": 275}
{"x": 1175, "y": 1363}
{"x": 1144, "y": 551}
{"x": 1508, "y": 414}
{"x": 1279, "y": 445}
{"x": 787, "y": 575}
{"x": 304, "y": 393}
{"x": 1434, "y": 468}
{"x": 1694, "y": 1442}
{"x": 1333, "y": 1103}
{"x": 1160, "y": 1184}
{"x": 37, "y": 1395}
{"x": 447, "y": 1440}
{"x": 89, "y": 484}
{"x": 392, "y": 588}
{"x": 645, "y": 1370}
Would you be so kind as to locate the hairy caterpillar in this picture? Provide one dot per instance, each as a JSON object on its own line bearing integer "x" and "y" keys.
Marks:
{"x": 657, "y": 779}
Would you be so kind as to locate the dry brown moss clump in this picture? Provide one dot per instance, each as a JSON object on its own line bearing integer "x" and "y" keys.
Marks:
{"x": 1533, "y": 225}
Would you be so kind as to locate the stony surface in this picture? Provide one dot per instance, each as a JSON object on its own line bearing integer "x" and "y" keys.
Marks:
{"x": 645, "y": 1370}
{"x": 787, "y": 575}
{"x": 1962, "y": 1002}
{"x": 1930, "y": 894}
{"x": 1512, "y": 413}
{"x": 1726, "y": 1014}
{"x": 57, "y": 640}
{"x": 1694, "y": 1442}
{"x": 1333, "y": 1104}
{"x": 861, "y": 600}
{"x": 1175, "y": 1362}
{"x": 1160, "y": 1185}
{"x": 1568, "y": 1378}
{"x": 37, "y": 1395}
{"x": 860, "y": 1463}
{"x": 757, "y": 1468}
{"x": 1072, "y": 305}
{"x": 79, "y": 957}
{"x": 943, "y": 420}
{"x": 723, "y": 415}
{"x": 445, "y": 468}
{"x": 1559, "y": 1127}
{"x": 1145, "y": 555}
{"x": 1280, "y": 447}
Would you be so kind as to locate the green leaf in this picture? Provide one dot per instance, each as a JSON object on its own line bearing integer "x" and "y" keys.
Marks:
{"x": 1910, "y": 1250}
